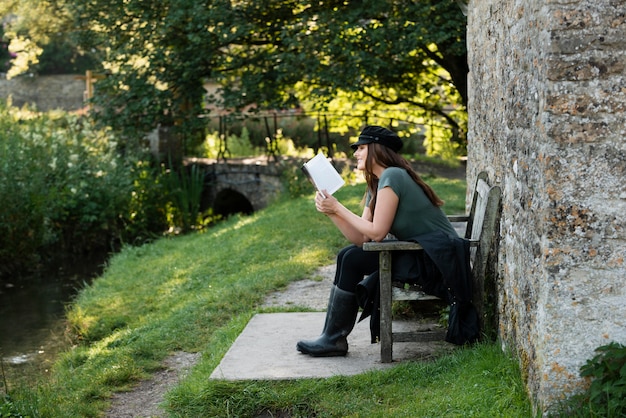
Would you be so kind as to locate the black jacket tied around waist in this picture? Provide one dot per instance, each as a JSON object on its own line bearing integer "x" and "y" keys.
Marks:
{"x": 443, "y": 270}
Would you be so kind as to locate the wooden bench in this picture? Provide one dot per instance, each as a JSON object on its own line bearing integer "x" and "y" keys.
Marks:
{"x": 480, "y": 230}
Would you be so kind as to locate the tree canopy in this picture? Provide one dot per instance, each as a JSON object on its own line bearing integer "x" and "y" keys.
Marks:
{"x": 36, "y": 38}
{"x": 403, "y": 59}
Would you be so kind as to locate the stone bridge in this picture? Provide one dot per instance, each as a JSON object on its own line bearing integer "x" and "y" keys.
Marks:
{"x": 239, "y": 185}
{"x": 246, "y": 185}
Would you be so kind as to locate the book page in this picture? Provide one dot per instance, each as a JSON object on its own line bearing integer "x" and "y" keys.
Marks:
{"x": 322, "y": 174}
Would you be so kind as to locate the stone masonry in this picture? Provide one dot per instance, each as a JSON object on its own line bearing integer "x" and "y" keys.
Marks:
{"x": 52, "y": 92}
{"x": 547, "y": 120}
{"x": 257, "y": 180}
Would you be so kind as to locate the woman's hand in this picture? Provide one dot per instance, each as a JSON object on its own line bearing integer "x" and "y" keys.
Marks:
{"x": 326, "y": 203}
{"x": 358, "y": 229}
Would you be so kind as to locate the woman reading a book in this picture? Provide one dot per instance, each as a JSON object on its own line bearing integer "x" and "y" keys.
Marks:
{"x": 397, "y": 201}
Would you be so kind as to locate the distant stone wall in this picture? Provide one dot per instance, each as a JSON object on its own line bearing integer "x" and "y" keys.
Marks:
{"x": 547, "y": 120}
{"x": 64, "y": 92}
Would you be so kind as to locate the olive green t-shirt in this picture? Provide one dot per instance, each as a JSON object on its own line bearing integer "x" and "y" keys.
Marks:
{"x": 415, "y": 215}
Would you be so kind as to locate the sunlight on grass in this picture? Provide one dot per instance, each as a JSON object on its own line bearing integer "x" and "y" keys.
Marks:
{"x": 308, "y": 254}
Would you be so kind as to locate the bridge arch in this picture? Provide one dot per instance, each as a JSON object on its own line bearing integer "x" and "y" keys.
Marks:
{"x": 229, "y": 201}
{"x": 240, "y": 186}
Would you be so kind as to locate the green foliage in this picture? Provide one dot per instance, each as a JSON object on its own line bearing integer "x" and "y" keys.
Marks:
{"x": 5, "y": 55}
{"x": 438, "y": 142}
{"x": 422, "y": 130}
{"x": 146, "y": 216}
{"x": 394, "y": 61}
{"x": 66, "y": 190}
{"x": 39, "y": 34}
{"x": 295, "y": 180}
{"x": 372, "y": 62}
{"x": 290, "y": 135}
{"x": 61, "y": 56}
{"x": 257, "y": 128}
{"x": 606, "y": 395}
{"x": 157, "y": 55}
{"x": 185, "y": 190}
{"x": 229, "y": 146}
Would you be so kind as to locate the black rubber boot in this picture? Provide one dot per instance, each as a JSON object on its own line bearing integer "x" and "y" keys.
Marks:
{"x": 340, "y": 318}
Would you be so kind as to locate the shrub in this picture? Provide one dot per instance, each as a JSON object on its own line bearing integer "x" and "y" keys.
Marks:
{"x": 185, "y": 191}
{"x": 606, "y": 394}
{"x": 607, "y": 370}
{"x": 66, "y": 190}
{"x": 230, "y": 146}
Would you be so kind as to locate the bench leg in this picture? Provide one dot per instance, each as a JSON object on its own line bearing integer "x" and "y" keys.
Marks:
{"x": 386, "y": 337}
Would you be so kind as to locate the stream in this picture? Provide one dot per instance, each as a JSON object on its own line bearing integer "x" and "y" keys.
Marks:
{"x": 32, "y": 321}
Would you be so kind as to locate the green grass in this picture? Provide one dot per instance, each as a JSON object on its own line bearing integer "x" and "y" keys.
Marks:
{"x": 475, "y": 382}
{"x": 197, "y": 292}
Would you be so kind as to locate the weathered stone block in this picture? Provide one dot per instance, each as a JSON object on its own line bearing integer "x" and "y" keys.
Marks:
{"x": 64, "y": 92}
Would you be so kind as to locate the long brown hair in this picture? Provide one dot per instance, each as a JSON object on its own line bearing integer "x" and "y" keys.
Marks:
{"x": 386, "y": 157}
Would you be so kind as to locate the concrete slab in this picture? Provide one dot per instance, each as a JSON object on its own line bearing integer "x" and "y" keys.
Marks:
{"x": 266, "y": 350}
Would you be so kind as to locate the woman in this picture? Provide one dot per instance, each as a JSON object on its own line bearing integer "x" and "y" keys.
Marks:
{"x": 397, "y": 201}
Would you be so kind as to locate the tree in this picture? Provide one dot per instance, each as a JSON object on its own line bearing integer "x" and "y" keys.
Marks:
{"x": 156, "y": 55}
{"x": 402, "y": 55}
{"x": 38, "y": 36}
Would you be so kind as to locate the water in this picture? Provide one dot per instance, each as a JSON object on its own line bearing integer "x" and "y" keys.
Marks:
{"x": 32, "y": 321}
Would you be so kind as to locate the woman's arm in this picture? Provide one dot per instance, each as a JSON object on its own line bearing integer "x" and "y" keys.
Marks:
{"x": 360, "y": 229}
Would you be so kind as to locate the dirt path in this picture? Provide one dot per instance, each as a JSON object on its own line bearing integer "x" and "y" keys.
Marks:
{"x": 144, "y": 400}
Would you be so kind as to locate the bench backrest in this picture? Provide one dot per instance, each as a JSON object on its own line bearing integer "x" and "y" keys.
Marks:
{"x": 482, "y": 226}
{"x": 478, "y": 209}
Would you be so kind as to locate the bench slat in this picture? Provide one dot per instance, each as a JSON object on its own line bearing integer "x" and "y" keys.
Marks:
{"x": 419, "y": 336}
{"x": 391, "y": 246}
{"x": 400, "y": 245}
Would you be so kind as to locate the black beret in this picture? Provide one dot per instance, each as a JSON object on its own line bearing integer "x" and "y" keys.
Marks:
{"x": 379, "y": 135}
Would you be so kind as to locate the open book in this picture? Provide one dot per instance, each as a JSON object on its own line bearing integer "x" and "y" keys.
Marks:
{"x": 322, "y": 174}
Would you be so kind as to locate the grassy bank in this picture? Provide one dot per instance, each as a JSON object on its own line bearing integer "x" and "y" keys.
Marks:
{"x": 197, "y": 292}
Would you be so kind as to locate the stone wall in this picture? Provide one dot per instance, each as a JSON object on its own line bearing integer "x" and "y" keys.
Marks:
{"x": 64, "y": 92}
{"x": 547, "y": 120}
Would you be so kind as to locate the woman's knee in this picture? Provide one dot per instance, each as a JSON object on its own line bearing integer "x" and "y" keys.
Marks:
{"x": 355, "y": 264}
{"x": 358, "y": 259}
{"x": 342, "y": 253}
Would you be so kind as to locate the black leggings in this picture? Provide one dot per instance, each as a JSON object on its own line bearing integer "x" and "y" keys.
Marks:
{"x": 352, "y": 265}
